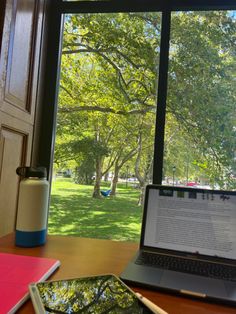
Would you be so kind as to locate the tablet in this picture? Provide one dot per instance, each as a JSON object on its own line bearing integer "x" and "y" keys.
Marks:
{"x": 95, "y": 295}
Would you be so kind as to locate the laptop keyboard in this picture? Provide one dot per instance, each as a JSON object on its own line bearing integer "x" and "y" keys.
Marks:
{"x": 194, "y": 267}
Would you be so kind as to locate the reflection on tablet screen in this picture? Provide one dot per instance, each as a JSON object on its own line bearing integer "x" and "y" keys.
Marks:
{"x": 95, "y": 295}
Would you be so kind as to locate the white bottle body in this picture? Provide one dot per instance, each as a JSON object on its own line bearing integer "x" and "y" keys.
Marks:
{"x": 32, "y": 212}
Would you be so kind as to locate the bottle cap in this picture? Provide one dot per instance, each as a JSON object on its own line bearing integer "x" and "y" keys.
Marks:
{"x": 36, "y": 172}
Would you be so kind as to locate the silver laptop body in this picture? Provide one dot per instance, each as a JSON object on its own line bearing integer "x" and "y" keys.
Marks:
{"x": 193, "y": 233}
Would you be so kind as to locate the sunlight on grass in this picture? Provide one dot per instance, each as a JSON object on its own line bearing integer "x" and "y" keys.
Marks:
{"x": 73, "y": 211}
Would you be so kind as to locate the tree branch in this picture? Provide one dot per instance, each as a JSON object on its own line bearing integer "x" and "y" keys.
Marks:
{"x": 66, "y": 90}
{"x": 87, "y": 48}
{"x": 142, "y": 111}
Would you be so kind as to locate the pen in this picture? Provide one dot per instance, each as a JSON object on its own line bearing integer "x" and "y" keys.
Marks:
{"x": 153, "y": 307}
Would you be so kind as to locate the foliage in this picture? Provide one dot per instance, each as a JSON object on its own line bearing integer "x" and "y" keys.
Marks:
{"x": 202, "y": 92}
{"x": 101, "y": 294}
{"x": 107, "y": 99}
{"x": 84, "y": 173}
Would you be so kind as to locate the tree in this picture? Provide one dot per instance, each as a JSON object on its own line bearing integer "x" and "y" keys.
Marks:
{"x": 201, "y": 90}
{"x": 108, "y": 75}
{"x": 114, "y": 79}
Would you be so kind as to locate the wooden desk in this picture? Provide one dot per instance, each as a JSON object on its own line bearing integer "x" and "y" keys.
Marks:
{"x": 82, "y": 257}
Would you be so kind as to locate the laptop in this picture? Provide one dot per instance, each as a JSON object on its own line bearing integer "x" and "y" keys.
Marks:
{"x": 188, "y": 243}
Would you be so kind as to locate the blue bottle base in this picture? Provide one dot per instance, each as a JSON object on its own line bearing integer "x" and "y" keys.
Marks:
{"x": 30, "y": 238}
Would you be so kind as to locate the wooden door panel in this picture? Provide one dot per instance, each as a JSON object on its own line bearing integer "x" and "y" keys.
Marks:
{"x": 14, "y": 144}
{"x": 19, "y": 62}
{"x": 9, "y": 179}
{"x": 19, "y": 76}
{"x": 20, "y": 50}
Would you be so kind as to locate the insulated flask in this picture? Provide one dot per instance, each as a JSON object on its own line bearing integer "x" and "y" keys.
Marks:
{"x": 32, "y": 207}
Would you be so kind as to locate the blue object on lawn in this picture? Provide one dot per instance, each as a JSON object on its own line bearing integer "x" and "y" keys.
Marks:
{"x": 105, "y": 193}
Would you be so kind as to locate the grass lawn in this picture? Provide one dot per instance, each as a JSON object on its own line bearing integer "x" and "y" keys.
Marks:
{"x": 73, "y": 211}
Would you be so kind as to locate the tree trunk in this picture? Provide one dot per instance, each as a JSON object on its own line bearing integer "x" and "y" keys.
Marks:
{"x": 141, "y": 195}
{"x": 145, "y": 180}
{"x": 115, "y": 180}
{"x": 97, "y": 184}
{"x": 138, "y": 173}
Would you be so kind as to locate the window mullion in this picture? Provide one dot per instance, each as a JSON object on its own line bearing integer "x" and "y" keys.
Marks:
{"x": 161, "y": 99}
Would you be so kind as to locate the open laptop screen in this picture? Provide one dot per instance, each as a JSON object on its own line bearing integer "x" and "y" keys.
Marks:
{"x": 190, "y": 220}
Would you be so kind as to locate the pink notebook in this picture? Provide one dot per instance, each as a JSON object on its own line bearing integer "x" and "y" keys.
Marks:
{"x": 16, "y": 273}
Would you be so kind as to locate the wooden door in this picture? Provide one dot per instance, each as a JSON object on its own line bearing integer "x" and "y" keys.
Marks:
{"x": 19, "y": 69}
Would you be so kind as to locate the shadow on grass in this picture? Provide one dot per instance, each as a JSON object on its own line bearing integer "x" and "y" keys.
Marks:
{"x": 73, "y": 211}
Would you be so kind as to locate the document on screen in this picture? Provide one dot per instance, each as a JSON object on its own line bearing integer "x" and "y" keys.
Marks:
{"x": 192, "y": 221}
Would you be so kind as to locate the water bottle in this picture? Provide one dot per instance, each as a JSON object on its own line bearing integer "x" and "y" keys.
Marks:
{"x": 31, "y": 223}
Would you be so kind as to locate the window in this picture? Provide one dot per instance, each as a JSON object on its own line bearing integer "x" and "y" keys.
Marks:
{"x": 106, "y": 120}
{"x": 200, "y": 136}
{"x": 155, "y": 79}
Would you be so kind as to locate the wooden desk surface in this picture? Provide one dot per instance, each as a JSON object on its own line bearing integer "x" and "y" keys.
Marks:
{"x": 82, "y": 257}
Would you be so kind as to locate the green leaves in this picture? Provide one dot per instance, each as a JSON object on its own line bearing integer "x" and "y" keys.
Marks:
{"x": 202, "y": 91}
{"x": 109, "y": 83}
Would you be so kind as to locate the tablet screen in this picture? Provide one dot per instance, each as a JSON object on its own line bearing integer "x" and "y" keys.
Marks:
{"x": 98, "y": 294}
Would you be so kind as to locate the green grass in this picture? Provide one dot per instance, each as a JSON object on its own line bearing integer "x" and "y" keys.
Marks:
{"x": 73, "y": 211}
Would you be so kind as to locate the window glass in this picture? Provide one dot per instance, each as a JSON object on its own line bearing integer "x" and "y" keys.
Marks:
{"x": 105, "y": 124}
{"x": 200, "y": 131}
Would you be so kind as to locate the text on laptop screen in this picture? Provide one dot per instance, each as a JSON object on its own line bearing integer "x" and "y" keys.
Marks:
{"x": 201, "y": 222}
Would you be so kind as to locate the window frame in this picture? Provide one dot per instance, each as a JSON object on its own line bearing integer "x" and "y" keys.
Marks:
{"x": 57, "y": 9}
